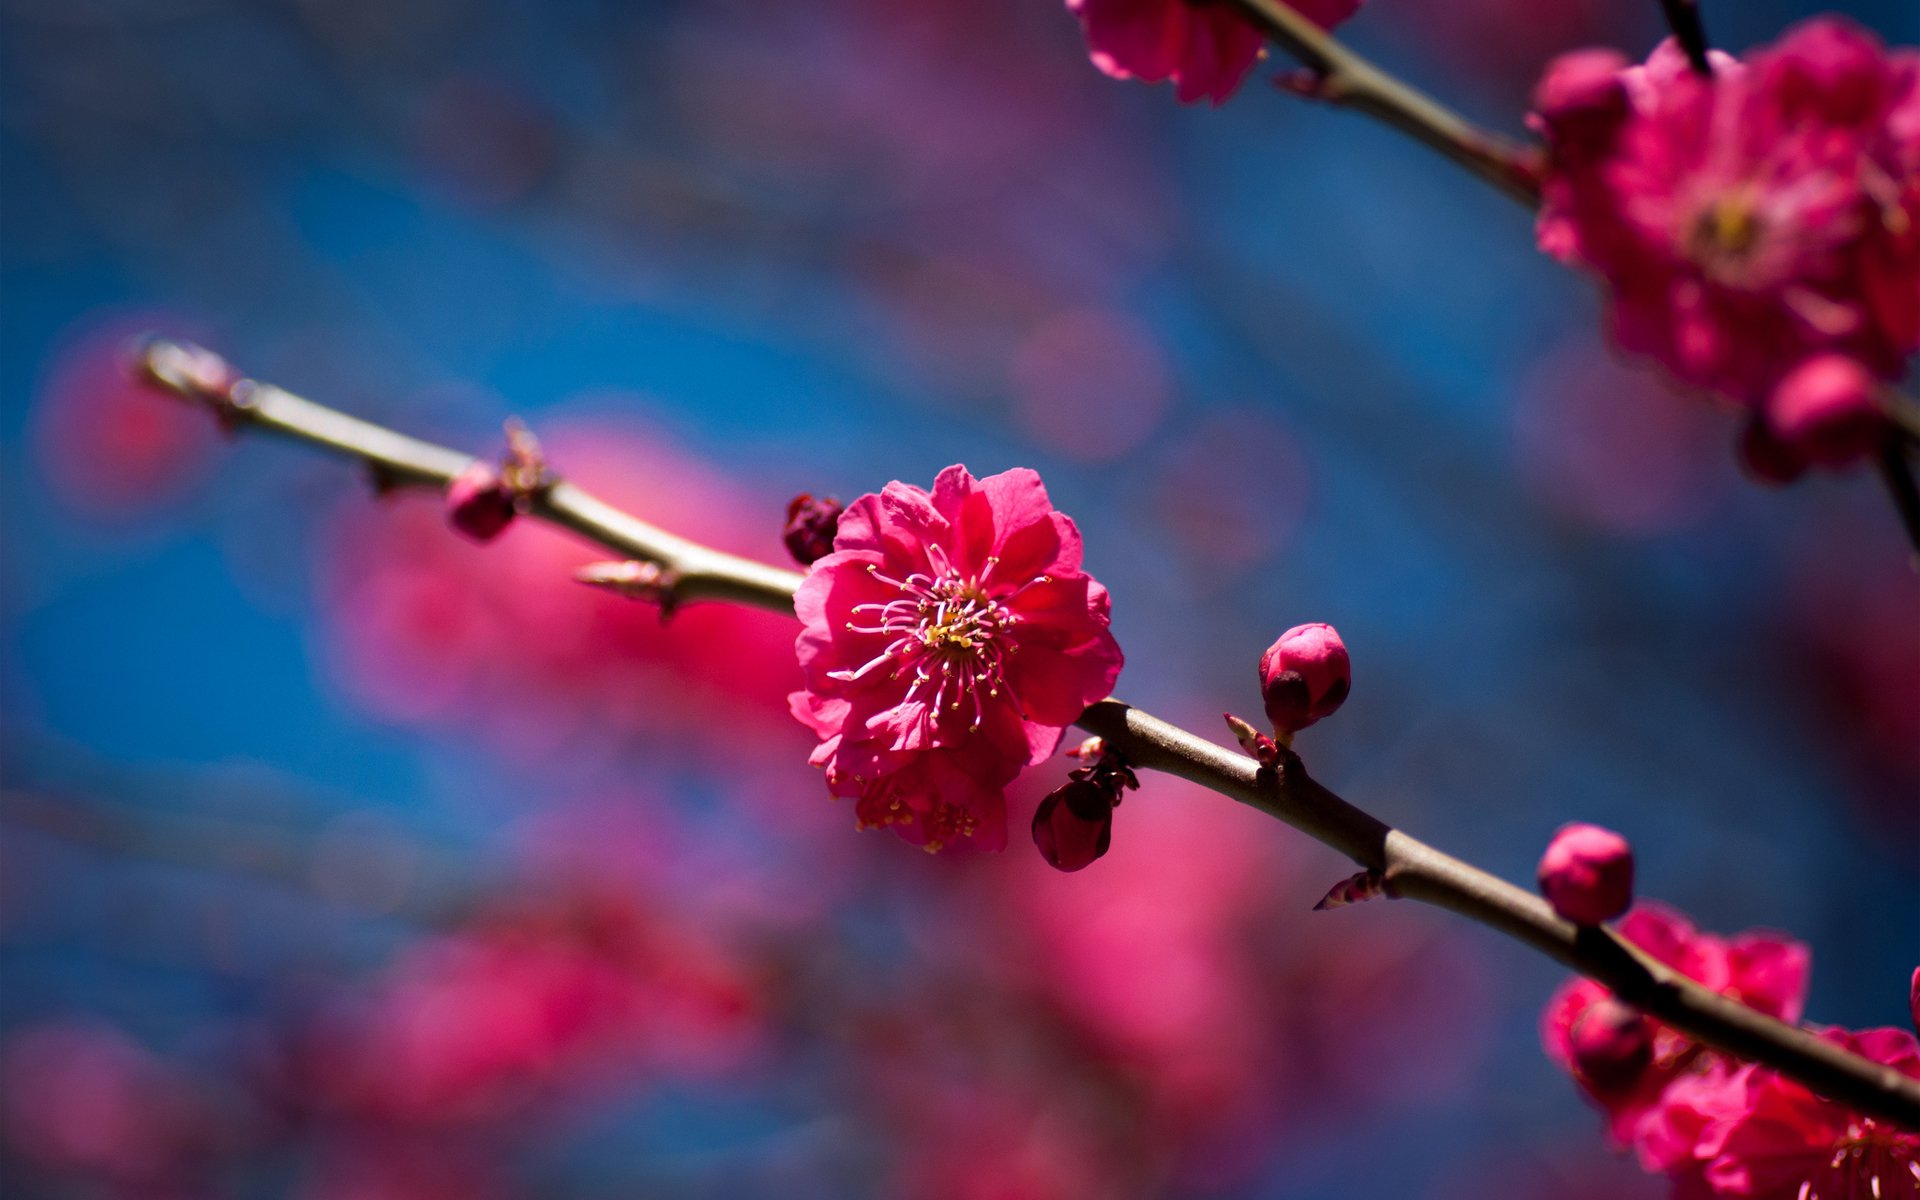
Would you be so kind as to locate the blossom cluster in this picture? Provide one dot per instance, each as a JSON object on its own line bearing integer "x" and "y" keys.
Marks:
{"x": 1715, "y": 1126}
{"x": 1757, "y": 228}
{"x": 1204, "y": 50}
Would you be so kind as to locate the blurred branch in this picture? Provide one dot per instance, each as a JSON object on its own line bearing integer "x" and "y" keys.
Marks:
{"x": 1683, "y": 17}
{"x": 1897, "y": 473}
{"x": 1339, "y": 76}
{"x": 394, "y": 460}
{"x": 1410, "y": 868}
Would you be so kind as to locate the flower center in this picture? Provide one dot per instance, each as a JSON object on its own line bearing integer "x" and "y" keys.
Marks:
{"x": 947, "y": 631}
{"x": 1726, "y": 233}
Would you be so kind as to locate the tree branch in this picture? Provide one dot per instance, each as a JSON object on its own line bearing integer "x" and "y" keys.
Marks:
{"x": 1410, "y": 868}
{"x": 1339, "y": 76}
{"x": 1683, "y": 17}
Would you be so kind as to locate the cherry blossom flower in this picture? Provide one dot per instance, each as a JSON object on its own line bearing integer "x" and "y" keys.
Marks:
{"x": 1767, "y": 1137}
{"x": 1205, "y": 49}
{"x": 1746, "y": 221}
{"x": 1765, "y": 971}
{"x": 948, "y": 641}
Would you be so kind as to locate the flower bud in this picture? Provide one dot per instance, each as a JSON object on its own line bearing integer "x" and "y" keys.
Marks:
{"x": 1765, "y": 458}
{"x": 1826, "y": 411}
{"x": 1612, "y": 1045}
{"x": 1913, "y": 1000}
{"x": 811, "y": 523}
{"x": 1587, "y": 874}
{"x": 1584, "y": 86}
{"x": 1074, "y": 824}
{"x": 1304, "y": 676}
{"x": 479, "y": 504}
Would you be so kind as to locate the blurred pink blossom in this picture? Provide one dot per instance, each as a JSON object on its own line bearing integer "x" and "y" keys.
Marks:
{"x": 1765, "y": 1137}
{"x": 1745, "y": 221}
{"x": 111, "y": 445}
{"x": 1765, "y": 971}
{"x": 1204, "y": 49}
{"x": 499, "y": 641}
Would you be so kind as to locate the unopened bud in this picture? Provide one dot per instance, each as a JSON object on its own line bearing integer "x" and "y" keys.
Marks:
{"x": 479, "y": 505}
{"x": 1584, "y": 86}
{"x": 1074, "y": 824}
{"x": 811, "y": 523}
{"x": 1304, "y": 676}
{"x": 1765, "y": 458}
{"x": 1826, "y": 411}
{"x": 1612, "y": 1045}
{"x": 1587, "y": 874}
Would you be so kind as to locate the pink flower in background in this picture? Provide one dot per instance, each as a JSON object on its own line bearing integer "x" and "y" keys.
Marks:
{"x": 1205, "y": 49}
{"x": 1766, "y": 1137}
{"x": 85, "y": 1100}
{"x": 948, "y": 641}
{"x": 1745, "y": 222}
{"x": 109, "y": 444}
{"x": 1765, "y": 971}
{"x": 500, "y": 643}
{"x": 540, "y": 994}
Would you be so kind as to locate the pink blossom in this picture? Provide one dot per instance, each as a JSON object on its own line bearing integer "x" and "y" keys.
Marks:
{"x": 1766, "y": 1137}
{"x": 1304, "y": 676}
{"x": 948, "y": 641}
{"x": 537, "y": 994}
{"x": 1744, "y": 222}
{"x": 1763, "y": 970}
{"x": 1587, "y": 874}
{"x": 85, "y": 1100}
{"x": 1205, "y": 49}
{"x": 109, "y": 444}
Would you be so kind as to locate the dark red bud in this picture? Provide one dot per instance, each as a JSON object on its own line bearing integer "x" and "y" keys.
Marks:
{"x": 1827, "y": 412}
{"x": 1612, "y": 1046}
{"x": 1765, "y": 458}
{"x": 811, "y": 523}
{"x": 479, "y": 504}
{"x": 1074, "y": 824}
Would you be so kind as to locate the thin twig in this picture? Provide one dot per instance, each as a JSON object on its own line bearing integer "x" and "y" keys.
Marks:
{"x": 1683, "y": 17}
{"x": 1340, "y": 76}
{"x": 1897, "y": 473}
{"x": 1410, "y": 868}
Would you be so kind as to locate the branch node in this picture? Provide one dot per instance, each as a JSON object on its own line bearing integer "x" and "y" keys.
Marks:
{"x": 635, "y": 581}
{"x": 1356, "y": 889}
